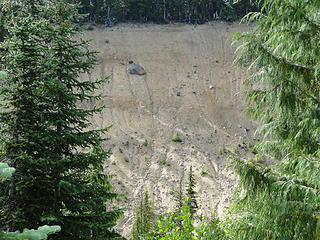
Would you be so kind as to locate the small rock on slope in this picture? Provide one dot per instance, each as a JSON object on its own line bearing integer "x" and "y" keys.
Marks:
{"x": 137, "y": 69}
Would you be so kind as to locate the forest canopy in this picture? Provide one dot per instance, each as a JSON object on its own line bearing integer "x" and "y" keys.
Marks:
{"x": 165, "y": 11}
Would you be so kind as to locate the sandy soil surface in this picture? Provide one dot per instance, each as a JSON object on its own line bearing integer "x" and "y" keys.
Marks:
{"x": 190, "y": 89}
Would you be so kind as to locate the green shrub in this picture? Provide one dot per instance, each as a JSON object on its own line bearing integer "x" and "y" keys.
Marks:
{"x": 176, "y": 138}
{"x": 174, "y": 225}
{"x": 203, "y": 172}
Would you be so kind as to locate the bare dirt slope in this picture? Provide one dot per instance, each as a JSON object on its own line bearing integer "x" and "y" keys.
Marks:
{"x": 191, "y": 89}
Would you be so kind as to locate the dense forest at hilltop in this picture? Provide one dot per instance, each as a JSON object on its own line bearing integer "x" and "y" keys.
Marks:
{"x": 164, "y": 11}
{"x": 110, "y": 12}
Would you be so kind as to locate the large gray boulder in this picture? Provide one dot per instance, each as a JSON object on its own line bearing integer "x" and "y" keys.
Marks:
{"x": 137, "y": 69}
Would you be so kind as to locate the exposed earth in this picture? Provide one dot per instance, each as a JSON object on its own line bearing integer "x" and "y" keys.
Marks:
{"x": 190, "y": 88}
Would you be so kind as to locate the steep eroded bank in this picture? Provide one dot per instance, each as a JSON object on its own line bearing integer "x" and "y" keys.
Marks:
{"x": 191, "y": 89}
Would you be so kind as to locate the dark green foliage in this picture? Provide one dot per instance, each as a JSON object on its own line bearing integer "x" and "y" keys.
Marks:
{"x": 282, "y": 201}
{"x": 164, "y": 11}
{"x": 191, "y": 193}
{"x": 59, "y": 162}
{"x": 275, "y": 205}
{"x": 39, "y": 234}
{"x": 144, "y": 218}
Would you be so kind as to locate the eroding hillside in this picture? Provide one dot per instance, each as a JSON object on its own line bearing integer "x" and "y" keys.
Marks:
{"x": 190, "y": 89}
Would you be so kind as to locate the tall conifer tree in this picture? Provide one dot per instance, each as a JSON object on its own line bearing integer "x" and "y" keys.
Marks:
{"x": 283, "y": 200}
{"x": 59, "y": 162}
{"x": 191, "y": 193}
{"x": 144, "y": 218}
{"x": 179, "y": 195}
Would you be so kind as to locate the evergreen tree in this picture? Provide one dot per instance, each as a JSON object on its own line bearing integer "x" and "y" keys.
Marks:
{"x": 191, "y": 193}
{"x": 179, "y": 197}
{"x": 59, "y": 162}
{"x": 282, "y": 201}
{"x": 144, "y": 218}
